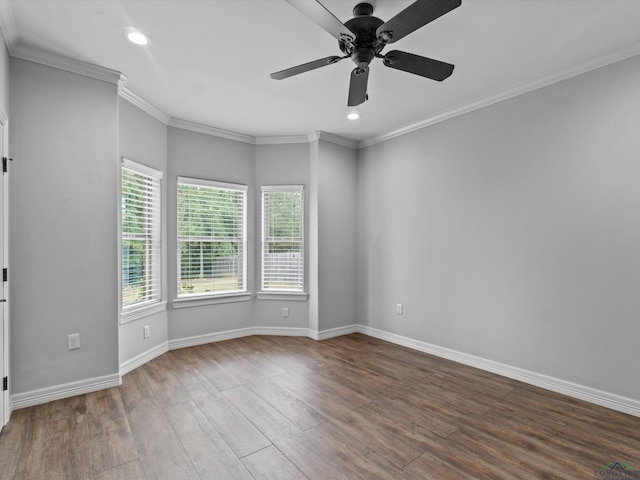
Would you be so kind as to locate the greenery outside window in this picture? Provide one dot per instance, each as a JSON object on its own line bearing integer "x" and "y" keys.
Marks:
{"x": 212, "y": 238}
{"x": 283, "y": 239}
{"x": 141, "y": 249}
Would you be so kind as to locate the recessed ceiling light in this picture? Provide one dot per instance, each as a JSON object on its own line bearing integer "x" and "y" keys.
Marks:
{"x": 353, "y": 116}
{"x": 137, "y": 37}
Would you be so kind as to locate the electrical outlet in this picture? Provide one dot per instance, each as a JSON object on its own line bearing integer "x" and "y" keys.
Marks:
{"x": 146, "y": 331}
{"x": 399, "y": 309}
{"x": 285, "y": 312}
{"x": 73, "y": 341}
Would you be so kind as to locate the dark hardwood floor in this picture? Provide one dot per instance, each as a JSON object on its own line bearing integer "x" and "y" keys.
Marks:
{"x": 292, "y": 408}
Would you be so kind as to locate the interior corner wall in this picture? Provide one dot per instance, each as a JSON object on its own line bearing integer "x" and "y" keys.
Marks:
{"x": 313, "y": 287}
{"x": 282, "y": 164}
{"x": 511, "y": 233}
{"x": 333, "y": 236}
{"x": 143, "y": 139}
{"x": 197, "y": 155}
{"x": 63, "y": 140}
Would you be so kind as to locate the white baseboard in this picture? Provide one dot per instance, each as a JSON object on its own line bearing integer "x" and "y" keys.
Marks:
{"x": 245, "y": 332}
{"x": 333, "y": 332}
{"x": 210, "y": 338}
{"x": 592, "y": 395}
{"x": 65, "y": 390}
{"x": 588, "y": 394}
{"x": 282, "y": 331}
{"x": 143, "y": 358}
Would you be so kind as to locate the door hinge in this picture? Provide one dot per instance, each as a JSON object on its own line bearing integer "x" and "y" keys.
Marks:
{"x": 5, "y": 274}
{"x": 5, "y": 384}
{"x": 5, "y": 161}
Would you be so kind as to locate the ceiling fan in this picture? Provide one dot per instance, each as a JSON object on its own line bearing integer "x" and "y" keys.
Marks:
{"x": 363, "y": 37}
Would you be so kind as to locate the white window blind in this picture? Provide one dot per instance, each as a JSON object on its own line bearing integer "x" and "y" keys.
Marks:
{"x": 212, "y": 238}
{"x": 283, "y": 238}
{"x": 141, "y": 251}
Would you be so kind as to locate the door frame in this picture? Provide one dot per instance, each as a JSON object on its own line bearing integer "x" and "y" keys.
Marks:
{"x": 4, "y": 131}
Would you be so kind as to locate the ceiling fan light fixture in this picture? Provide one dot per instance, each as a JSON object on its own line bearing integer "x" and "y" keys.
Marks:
{"x": 137, "y": 37}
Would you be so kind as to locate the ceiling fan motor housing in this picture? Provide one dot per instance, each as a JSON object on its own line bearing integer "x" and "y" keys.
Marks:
{"x": 366, "y": 45}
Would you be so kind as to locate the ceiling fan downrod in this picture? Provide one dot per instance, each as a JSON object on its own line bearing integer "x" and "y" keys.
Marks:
{"x": 363, "y": 9}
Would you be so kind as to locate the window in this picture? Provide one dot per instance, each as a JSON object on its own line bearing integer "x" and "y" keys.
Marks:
{"x": 141, "y": 250}
{"x": 283, "y": 239}
{"x": 212, "y": 238}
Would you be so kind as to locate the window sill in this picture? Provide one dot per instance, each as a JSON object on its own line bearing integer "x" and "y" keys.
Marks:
{"x": 291, "y": 296}
{"x": 145, "y": 311}
{"x": 196, "y": 301}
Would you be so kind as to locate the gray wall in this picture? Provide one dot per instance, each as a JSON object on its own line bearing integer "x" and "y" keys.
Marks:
{"x": 63, "y": 243}
{"x": 281, "y": 165}
{"x": 334, "y": 180}
{"x": 197, "y": 155}
{"x": 512, "y": 232}
{"x": 144, "y": 139}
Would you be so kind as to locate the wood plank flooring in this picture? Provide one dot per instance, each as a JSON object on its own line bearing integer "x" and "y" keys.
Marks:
{"x": 351, "y": 407}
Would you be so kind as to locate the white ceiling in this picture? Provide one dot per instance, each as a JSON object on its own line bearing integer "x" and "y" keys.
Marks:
{"x": 210, "y": 61}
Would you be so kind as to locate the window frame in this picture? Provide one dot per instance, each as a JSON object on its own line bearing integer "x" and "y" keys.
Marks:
{"x": 281, "y": 293}
{"x": 189, "y": 299}
{"x": 153, "y": 244}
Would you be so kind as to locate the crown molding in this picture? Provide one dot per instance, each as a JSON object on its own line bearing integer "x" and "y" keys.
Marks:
{"x": 565, "y": 73}
{"x": 207, "y": 130}
{"x": 24, "y": 52}
{"x": 143, "y": 105}
{"x": 331, "y": 138}
{"x": 281, "y": 140}
{"x": 278, "y": 140}
{"x": 68, "y": 64}
{"x": 336, "y": 139}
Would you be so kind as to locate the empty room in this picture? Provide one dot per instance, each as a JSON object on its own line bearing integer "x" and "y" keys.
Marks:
{"x": 289, "y": 239}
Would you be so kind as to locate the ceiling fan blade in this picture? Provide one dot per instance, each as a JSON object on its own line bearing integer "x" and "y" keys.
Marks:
{"x": 425, "y": 67}
{"x": 358, "y": 86}
{"x": 305, "y": 67}
{"x": 413, "y": 17}
{"x": 319, "y": 14}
